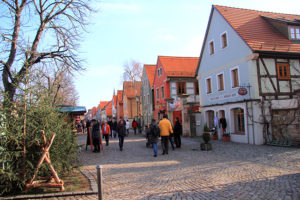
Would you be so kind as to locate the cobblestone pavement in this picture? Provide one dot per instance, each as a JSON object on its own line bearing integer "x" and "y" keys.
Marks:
{"x": 229, "y": 171}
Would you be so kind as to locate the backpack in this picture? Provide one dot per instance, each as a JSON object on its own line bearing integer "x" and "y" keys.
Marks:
{"x": 156, "y": 131}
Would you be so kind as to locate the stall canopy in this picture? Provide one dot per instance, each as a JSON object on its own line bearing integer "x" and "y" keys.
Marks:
{"x": 74, "y": 110}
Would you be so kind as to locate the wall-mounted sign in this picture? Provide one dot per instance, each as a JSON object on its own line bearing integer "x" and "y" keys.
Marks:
{"x": 242, "y": 91}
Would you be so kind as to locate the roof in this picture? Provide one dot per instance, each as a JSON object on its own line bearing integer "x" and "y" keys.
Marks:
{"x": 132, "y": 89}
{"x": 115, "y": 100}
{"x": 108, "y": 109}
{"x": 255, "y": 29}
{"x": 103, "y": 104}
{"x": 150, "y": 71}
{"x": 179, "y": 66}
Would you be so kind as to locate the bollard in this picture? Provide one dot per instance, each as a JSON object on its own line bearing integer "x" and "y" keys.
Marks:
{"x": 99, "y": 181}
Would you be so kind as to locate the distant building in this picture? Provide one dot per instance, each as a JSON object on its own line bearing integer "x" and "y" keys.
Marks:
{"x": 147, "y": 92}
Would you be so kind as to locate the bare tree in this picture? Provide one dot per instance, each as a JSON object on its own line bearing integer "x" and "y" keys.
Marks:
{"x": 132, "y": 71}
{"x": 34, "y": 32}
{"x": 58, "y": 85}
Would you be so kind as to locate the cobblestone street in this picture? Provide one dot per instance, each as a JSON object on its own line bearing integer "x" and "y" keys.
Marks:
{"x": 229, "y": 171}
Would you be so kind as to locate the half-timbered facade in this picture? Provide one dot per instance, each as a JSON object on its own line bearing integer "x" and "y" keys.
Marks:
{"x": 248, "y": 72}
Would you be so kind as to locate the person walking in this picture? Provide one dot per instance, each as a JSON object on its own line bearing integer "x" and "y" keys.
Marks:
{"x": 127, "y": 127}
{"x": 165, "y": 130}
{"x": 88, "y": 135}
{"x": 121, "y": 129}
{"x": 96, "y": 135}
{"x": 114, "y": 128}
{"x": 177, "y": 133}
{"x": 134, "y": 126}
{"x": 110, "y": 123}
{"x": 154, "y": 134}
{"x": 105, "y": 132}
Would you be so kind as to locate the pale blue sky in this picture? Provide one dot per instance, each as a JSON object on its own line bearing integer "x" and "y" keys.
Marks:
{"x": 142, "y": 30}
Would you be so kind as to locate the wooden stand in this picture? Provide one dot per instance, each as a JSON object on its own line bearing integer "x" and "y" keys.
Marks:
{"x": 54, "y": 181}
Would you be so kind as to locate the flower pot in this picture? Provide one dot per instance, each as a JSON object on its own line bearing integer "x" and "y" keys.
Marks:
{"x": 226, "y": 138}
{"x": 214, "y": 137}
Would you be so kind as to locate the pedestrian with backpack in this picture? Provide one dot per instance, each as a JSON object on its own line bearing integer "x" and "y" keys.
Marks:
{"x": 154, "y": 134}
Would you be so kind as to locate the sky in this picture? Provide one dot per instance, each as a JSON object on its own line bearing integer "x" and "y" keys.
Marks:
{"x": 142, "y": 30}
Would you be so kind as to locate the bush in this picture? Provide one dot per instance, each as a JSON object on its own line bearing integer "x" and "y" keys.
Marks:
{"x": 39, "y": 116}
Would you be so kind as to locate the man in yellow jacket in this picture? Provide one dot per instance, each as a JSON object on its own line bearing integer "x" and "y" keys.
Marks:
{"x": 165, "y": 130}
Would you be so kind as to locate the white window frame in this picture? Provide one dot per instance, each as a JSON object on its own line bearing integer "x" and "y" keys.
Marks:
{"x": 207, "y": 85}
{"x": 209, "y": 49}
{"x": 221, "y": 39}
{"x": 217, "y": 79}
{"x": 231, "y": 78}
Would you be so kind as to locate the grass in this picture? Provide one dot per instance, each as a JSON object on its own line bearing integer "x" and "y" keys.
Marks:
{"x": 74, "y": 181}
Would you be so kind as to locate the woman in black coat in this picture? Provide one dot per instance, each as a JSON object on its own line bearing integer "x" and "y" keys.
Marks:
{"x": 121, "y": 129}
{"x": 177, "y": 133}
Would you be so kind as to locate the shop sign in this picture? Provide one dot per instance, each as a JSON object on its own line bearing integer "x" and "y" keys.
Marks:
{"x": 242, "y": 91}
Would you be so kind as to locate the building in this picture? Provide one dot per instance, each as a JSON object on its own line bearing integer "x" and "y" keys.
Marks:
{"x": 119, "y": 104}
{"x": 248, "y": 72}
{"x": 176, "y": 91}
{"x": 147, "y": 92}
{"x": 132, "y": 105}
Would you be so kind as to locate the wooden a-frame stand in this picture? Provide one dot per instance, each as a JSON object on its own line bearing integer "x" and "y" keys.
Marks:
{"x": 46, "y": 157}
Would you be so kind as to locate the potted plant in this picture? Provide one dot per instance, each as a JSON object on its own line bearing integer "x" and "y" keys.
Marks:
{"x": 206, "y": 138}
{"x": 214, "y": 135}
{"x": 226, "y": 137}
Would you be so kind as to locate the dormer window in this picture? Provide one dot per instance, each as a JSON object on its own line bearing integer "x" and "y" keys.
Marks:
{"x": 295, "y": 33}
{"x": 159, "y": 72}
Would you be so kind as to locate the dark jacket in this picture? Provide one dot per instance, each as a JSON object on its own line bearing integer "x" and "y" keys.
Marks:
{"x": 153, "y": 135}
{"x": 114, "y": 126}
{"x": 96, "y": 131}
{"x": 177, "y": 129}
{"x": 121, "y": 128}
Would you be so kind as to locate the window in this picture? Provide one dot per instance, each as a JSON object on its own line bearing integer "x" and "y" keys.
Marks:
{"x": 196, "y": 86}
{"x": 181, "y": 88}
{"x": 157, "y": 94}
{"x": 208, "y": 86}
{"x": 211, "y": 48}
{"x": 220, "y": 78}
{"x": 162, "y": 92}
{"x": 239, "y": 122}
{"x": 295, "y": 33}
{"x": 235, "y": 77}
{"x": 224, "y": 40}
{"x": 283, "y": 71}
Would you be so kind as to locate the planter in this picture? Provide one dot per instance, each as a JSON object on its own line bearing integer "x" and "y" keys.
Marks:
{"x": 205, "y": 146}
{"x": 206, "y": 137}
{"x": 226, "y": 138}
{"x": 214, "y": 137}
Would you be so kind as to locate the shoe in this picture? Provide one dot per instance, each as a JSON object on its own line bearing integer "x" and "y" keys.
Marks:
{"x": 163, "y": 153}
{"x": 166, "y": 152}
{"x": 155, "y": 155}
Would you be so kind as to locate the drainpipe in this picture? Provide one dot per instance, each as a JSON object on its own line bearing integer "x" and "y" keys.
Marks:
{"x": 247, "y": 121}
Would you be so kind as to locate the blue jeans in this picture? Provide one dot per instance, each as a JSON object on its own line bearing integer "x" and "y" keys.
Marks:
{"x": 154, "y": 148}
{"x": 121, "y": 141}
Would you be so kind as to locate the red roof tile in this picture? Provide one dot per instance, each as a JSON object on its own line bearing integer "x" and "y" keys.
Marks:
{"x": 257, "y": 32}
{"x": 150, "y": 70}
{"x": 179, "y": 66}
{"x": 131, "y": 90}
{"x": 115, "y": 100}
{"x": 108, "y": 109}
{"x": 103, "y": 104}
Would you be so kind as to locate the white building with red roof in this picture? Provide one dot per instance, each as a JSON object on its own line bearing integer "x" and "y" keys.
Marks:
{"x": 249, "y": 72}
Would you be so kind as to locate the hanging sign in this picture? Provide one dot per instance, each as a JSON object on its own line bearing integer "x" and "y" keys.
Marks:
{"x": 242, "y": 91}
